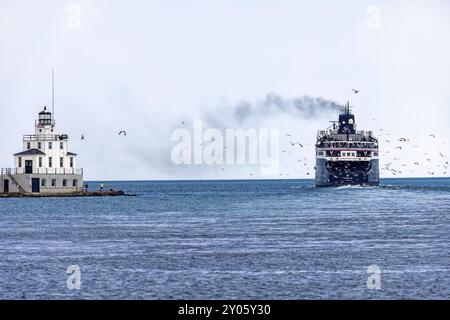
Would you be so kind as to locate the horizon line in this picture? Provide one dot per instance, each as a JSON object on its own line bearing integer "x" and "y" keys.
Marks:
{"x": 277, "y": 179}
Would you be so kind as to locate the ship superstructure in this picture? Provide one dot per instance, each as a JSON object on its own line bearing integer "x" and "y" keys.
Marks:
{"x": 345, "y": 156}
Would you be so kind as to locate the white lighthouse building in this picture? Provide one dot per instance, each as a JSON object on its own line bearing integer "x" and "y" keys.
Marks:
{"x": 45, "y": 166}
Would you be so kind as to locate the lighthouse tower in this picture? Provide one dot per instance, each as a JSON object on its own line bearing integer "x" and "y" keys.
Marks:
{"x": 45, "y": 165}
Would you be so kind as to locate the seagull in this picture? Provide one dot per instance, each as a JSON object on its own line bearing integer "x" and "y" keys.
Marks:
{"x": 442, "y": 155}
{"x": 402, "y": 140}
{"x": 400, "y": 148}
{"x": 432, "y": 135}
{"x": 82, "y": 137}
{"x": 122, "y": 132}
{"x": 294, "y": 143}
{"x": 355, "y": 91}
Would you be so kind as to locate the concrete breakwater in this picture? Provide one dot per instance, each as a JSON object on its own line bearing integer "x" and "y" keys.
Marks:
{"x": 110, "y": 193}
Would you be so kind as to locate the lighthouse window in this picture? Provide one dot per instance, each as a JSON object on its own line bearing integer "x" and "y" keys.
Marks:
{"x": 40, "y": 162}
{"x": 71, "y": 162}
{"x": 39, "y": 145}
{"x": 61, "y": 162}
{"x": 50, "y": 145}
{"x": 20, "y": 162}
{"x": 50, "y": 162}
{"x": 64, "y": 183}
{"x": 43, "y": 182}
{"x": 75, "y": 183}
{"x": 61, "y": 145}
{"x": 28, "y": 145}
{"x": 53, "y": 182}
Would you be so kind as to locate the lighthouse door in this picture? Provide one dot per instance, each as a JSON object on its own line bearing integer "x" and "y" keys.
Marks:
{"x": 35, "y": 185}
{"x": 28, "y": 166}
{"x": 6, "y": 186}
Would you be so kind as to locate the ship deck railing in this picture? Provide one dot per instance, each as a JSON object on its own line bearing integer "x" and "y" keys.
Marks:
{"x": 349, "y": 159}
{"x": 352, "y": 145}
{"x": 57, "y": 171}
{"x": 357, "y": 136}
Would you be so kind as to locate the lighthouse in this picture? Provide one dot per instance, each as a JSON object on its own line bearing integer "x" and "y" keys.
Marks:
{"x": 45, "y": 165}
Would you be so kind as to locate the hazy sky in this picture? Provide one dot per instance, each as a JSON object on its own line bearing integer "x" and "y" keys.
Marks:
{"x": 148, "y": 66}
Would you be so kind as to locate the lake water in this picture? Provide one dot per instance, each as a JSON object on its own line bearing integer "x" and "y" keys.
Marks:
{"x": 280, "y": 239}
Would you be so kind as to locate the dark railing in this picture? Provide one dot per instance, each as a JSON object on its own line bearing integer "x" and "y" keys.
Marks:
{"x": 45, "y": 137}
{"x": 334, "y": 135}
{"x": 43, "y": 171}
{"x": 346, "y": 144}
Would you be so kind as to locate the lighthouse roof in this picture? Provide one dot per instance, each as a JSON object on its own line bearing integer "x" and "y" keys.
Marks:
{"x": 30, "y": 152}
{"x": 45, "y": 111}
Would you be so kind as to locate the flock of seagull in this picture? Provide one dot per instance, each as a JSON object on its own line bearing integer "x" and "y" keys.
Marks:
{"x": 436, "y": 162}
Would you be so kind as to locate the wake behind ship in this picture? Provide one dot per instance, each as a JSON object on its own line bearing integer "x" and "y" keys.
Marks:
{"x": 345, "y": 156}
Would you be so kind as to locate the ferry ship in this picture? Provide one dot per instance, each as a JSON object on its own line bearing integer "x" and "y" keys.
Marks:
{"x": 345, "y": 156}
